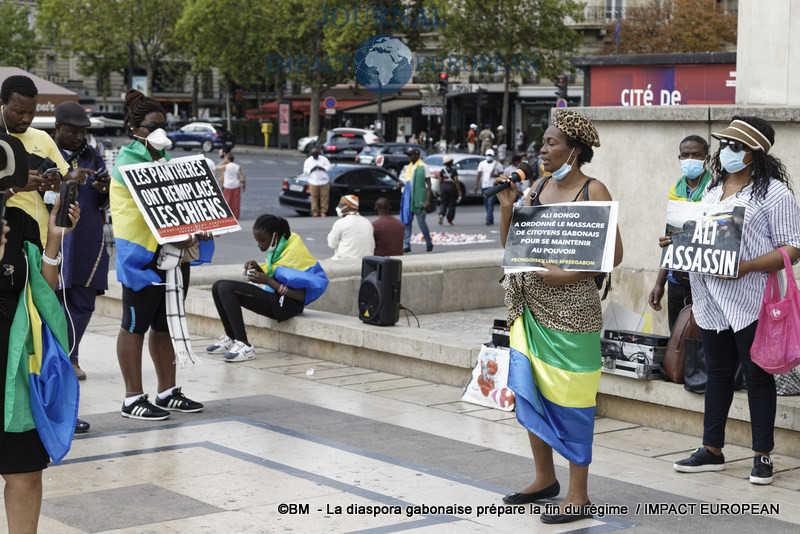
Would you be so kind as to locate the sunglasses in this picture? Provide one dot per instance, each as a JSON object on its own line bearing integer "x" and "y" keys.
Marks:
{"x": 153, "y": 126}
{"x": 735, "y": 146}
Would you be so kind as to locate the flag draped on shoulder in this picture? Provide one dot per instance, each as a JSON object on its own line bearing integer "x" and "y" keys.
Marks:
{"x": 41, "y": 386}
{"x": 554, "y": 376}
{"x": 292, "y": 264}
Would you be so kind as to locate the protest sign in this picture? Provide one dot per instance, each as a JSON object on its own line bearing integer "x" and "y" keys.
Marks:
{"x": 705, "y": 239}
{"x": 179, "y": 198}
{"x": 575, "y": 236}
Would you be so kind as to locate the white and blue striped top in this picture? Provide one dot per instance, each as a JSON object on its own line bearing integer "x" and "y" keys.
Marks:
{"x": 769, "y": 222}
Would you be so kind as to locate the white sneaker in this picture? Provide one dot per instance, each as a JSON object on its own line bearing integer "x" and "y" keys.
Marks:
{"x": 223, "y": 345}
{"x": 240, "y": 352}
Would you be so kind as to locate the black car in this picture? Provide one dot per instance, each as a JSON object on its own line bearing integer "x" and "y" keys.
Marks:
{"x": 390, "y": 156}
{"x": 368, "y": 183}
{"x": 343, "y": 147}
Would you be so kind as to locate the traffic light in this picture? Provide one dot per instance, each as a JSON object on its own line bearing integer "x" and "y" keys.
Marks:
{"x": 561, "y": 87}
{"x": 442, "y": 83}
{"x": 483, "y": 99}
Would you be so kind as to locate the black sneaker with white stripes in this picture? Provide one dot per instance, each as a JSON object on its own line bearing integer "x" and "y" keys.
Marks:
{"x": 144, "y": 409}
{"x": 178, "y": 402}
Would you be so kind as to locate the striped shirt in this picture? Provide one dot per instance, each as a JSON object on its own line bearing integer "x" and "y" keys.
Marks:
{"x": 769, "y": 223}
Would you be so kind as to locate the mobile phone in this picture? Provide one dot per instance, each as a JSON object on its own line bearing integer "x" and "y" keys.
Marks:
{"x": 69, "y": 193}
{"x": 47, "y": 167}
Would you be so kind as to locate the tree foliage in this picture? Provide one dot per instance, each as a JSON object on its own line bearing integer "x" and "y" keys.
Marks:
{"x": 667, "y": 26}
{"x": 18, "y": 43}
{"x": 514, "y": 29}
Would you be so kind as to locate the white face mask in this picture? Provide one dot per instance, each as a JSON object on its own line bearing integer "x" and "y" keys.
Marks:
{"x": 339, "y": 211}
{"x": 157, "y": 139}
{"x": 273, "y": 244}
{"x": 565, "y": 168}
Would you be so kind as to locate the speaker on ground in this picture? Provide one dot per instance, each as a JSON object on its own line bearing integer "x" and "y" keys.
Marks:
{"x": 379, "y": 294}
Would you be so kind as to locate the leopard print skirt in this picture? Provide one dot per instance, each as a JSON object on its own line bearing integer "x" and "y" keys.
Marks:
{"x": 573, "y": 307}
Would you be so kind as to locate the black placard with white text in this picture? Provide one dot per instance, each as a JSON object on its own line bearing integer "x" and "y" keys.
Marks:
{"x": 705, "y": 239}
{"x": 179, "y": 198}
{"x": 575, "y": 236}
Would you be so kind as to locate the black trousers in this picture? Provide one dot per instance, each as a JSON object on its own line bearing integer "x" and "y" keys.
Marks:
{"x": 230, "y": 296}
{"x": 449, "y": 197}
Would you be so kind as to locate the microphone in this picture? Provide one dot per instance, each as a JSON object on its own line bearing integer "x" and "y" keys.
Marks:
{"x": 524, "y": 172}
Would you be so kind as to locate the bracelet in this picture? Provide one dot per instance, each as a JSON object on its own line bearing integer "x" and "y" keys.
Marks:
{"x": 51, "y": 261}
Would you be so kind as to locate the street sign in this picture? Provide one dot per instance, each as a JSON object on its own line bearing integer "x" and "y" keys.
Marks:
{"x": 561, "y": 103}
{"x": 330, "y": 111}
{"x": 431, "y": 110}
{"x": 432, "y": 101}
{"x": 330, "y": 102}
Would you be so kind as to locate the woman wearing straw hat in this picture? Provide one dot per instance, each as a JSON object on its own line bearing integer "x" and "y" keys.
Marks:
{"x": 555, "y": 334}
{"x": 727, "y": 310}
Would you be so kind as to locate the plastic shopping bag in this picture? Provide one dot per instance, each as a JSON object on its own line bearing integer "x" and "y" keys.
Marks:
{"x": 489, "y": 383}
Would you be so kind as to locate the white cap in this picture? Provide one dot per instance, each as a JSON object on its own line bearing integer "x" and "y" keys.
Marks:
{"x": 490, "y": 152}
{"x": 500, "y": 127}
{"x": 473, "y": 125}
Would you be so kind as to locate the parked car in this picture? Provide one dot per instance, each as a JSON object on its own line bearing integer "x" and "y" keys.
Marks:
{"x": 305, "y": 144}
{"x": 367, "y": 182}
{"x": 113, "y": 122}
{"x": 203, "y": 135}
{"x": 390, "y": 156}
{"x": 467, "y": 167}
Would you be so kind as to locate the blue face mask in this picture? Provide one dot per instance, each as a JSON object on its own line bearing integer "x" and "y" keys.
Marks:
{"x": 565, "y": 168}
{"x": 489, "y": 158}
{"x": 732, "y": 161}
{"x": 691, "y": 168}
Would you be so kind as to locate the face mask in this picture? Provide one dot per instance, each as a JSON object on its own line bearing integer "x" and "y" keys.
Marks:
{"x": 339, "y": 211}
{"x": 691, "y": 168}
{"x": 565, "y": 168}
{"x": 732, "y": 161}
{"x": 273, "y": 244}
{"x": 489, "y": 158}
{"x": 157, "y": 139}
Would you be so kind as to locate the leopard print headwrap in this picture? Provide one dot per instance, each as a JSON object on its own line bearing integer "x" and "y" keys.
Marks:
{"x": 576, "y": 126}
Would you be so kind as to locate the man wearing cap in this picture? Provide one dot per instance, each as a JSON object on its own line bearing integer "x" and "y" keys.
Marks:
{"x": 488, "y": 170}
{"x": 18, "y": 99}
{"x": 471, "y": 136}
{"x": 486, "y": 137}
{"x": 416, "y": 199}
{"x": 84, "y": 256}
{"x": 449, "y": 191}
{"x": 352, "y": 235}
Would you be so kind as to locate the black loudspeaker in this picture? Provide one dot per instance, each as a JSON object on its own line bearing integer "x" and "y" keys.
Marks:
{"x": 379, "y": 294}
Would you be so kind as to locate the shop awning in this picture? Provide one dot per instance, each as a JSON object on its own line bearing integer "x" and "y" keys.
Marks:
{"x": 270, "y": 109}
{"x": 387, "y": 106}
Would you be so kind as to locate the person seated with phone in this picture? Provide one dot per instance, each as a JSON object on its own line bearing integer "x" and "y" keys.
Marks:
{"x": 18, "y": 99}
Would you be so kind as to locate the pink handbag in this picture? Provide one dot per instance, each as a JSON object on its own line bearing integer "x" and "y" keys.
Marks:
{"x": 776, "y": 345}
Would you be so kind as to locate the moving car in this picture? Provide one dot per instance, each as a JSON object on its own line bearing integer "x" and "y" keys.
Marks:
{"x": 467, "y": 166}
{"x": 390, "y": 156}
{"x": 367, "y": 182}
{"x": 305, "y": 144}
{"x": 203, "y": 135}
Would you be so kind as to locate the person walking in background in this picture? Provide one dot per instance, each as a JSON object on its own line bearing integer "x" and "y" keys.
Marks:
{"x": 233, "y": 183}
{"x": 556, "y": 319}
{"x": 280, "y": 288}
{"x": 401, "y": 135}
{"x": 387, "y": 230}
{"x": 449, "y": 191}
{"x": 316, "y": 167}
{"x": 501, "y": 144}
{"x": 416, "y": 199}
{"x": 472, "y": 136}
{"x": 488, "y": 170}
{"x": 352, "y": 235}
{"x": 693, "y": 157}
{"x": 486, "y": 137}
{"x": 727, "y": 310}
{"x": 520, "y": 141}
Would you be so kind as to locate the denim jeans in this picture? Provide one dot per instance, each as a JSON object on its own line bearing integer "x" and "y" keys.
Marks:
{"x": 723, "y": 351}
{"x": 426, "y": 234}
{"x": 488, "y": 203}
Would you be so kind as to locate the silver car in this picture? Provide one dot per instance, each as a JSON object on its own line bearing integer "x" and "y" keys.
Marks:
{"x": 467, "y": 167}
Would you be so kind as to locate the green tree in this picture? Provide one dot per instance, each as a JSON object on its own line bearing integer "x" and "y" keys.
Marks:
{"x": 513, "y": 30}
{"x": 667, "y": 26}
{"x": 18, "y": 44}
{"x": 99, "y": 29}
